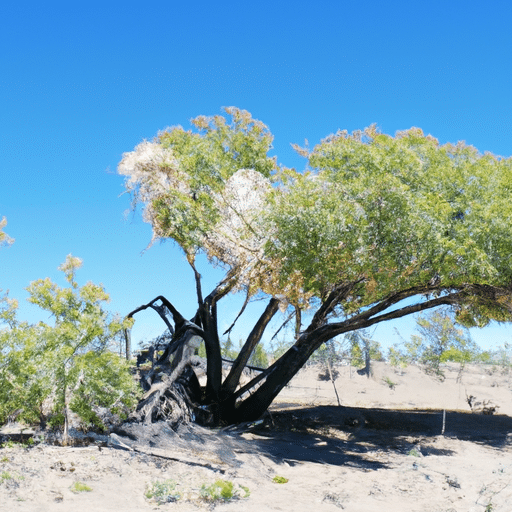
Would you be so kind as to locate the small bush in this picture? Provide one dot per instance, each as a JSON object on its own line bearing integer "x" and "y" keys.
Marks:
{"x": 222, "y": 490}
{"x": 280, "y": 480}
{"x": 389, "y": 382}
{"x": 163, "y": 492}
{"x": 80, "y": 487}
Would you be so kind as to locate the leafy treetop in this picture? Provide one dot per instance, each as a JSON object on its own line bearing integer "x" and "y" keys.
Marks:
{"x": 373, "y": 220}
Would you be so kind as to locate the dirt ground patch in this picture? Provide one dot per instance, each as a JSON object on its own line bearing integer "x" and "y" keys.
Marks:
{"x": 357, "y": 457}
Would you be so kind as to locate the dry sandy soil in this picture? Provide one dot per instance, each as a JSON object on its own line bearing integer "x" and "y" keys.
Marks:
{"x": 382, "y": 450}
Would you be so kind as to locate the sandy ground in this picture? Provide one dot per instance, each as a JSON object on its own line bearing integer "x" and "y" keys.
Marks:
{"x": 382, "y": 450}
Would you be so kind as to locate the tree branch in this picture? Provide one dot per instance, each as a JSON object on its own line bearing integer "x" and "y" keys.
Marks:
{"x": 362, "y": 321}
{"x": 197, "y": 277}
{"x": 253, "y": 339}
{"x": 290, "y": 316}
{"x": 246, "y": 301}
{"x": 339, "y": 292}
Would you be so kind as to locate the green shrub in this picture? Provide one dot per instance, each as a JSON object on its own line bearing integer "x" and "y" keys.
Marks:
{"x": 163, "y": 492}
{"x": 222, "y": 490}
{"x": 80, "y": 487}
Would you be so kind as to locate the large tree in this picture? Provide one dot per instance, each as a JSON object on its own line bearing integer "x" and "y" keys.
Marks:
{"x": 375, "y": 228}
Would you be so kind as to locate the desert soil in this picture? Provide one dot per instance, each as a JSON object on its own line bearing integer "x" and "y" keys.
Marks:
{"x": 383, "y": 449}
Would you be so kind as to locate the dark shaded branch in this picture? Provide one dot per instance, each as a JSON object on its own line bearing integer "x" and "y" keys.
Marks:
{"x": 197, "y": 277}
{"x": 290, "y": 316}
{"x": 246, "y": 301}
{"x": 339, "y": 293}
{"x": 176, "y": 315}
{"x": 233, "y": 378}
{"x": 252, "y": 383}
{"x": 398, "y": 297}
{"x": 362, "y": 321}
{"x": 162, "y": 310}
{"x": 298, "y": 321}
{"x": 254, "y": 368}
{"x": 208, "y": 315}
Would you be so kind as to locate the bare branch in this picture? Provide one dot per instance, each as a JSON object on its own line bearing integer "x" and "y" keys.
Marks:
{"x": 253, "y": 339}
{"x": 290, "y": 316}
{"x": 197, "y": 277}
{"x": 246, "y": 301}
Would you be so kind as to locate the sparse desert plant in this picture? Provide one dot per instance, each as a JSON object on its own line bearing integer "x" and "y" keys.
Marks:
{"x": 80, "y": 487}
{"x": 280, "y": 480}
{"x": 389, "y": 382}
{"x": 163, "y": 492}
{"x": 223, "y": 490}
{"x": 6, "y": 476}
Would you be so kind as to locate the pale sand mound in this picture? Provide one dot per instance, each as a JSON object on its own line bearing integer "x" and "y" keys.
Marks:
{"x": 358, "y": 457}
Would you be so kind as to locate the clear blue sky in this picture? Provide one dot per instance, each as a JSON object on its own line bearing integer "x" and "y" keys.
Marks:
{"x": 83, "y": 82}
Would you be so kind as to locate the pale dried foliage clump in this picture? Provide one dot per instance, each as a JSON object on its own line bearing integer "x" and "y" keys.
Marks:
{"x": 5, "y": 239}
{"x": 236, "y": 240}
{"x": 151, "y": 171}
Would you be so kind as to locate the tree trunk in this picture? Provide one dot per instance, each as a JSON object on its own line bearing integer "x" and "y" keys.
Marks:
{"x": 173, "y": 388}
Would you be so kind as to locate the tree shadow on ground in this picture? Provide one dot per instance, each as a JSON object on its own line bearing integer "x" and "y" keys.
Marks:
{"x": 367, "y": 437}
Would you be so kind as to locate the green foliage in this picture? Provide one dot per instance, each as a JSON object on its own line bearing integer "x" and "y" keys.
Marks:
{"x": 391, "y": 214}
{"x": 201, "y": 351}
{"x": 163, "y": 492}
{"x": 389, "y": 382}
{"x": 280, "y": 480}
{"x": 331, "y": 352}
{"x": 502, "y": 357}
{"x": 13, "y": 444}
{"x": 78, "y": 487}
{"x": 222, "y": 490}
{"x": 228, "y": 351}
{"x": 259, "y": 357}
{"x": 396, "y": 358}
{"x": 363, "y": 348}
{"x": 47, "y": 370}
{"x": 439, "y": 341}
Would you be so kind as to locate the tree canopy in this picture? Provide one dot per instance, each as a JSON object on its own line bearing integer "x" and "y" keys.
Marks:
{"x": 371, "y": 221}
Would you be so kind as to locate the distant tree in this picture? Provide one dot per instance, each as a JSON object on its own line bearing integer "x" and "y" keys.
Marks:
{"x": 328, "y": 356}
{"x": 5, "y": 239}
{"x": 228, "y": 349}
{"x": 363, "y": 350}
{"x": 259, "y": 357}
{"x": 69, "y": 363}
{"x": 376, "y": 228}
{"x": 439, "y": 341}
{"x": 502, "y": 357}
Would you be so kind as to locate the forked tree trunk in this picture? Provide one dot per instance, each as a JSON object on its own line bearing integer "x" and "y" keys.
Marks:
{"x": 173, "y": 390}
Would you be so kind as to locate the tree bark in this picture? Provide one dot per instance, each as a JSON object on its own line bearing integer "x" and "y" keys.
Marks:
{"x": 232, "y": 380}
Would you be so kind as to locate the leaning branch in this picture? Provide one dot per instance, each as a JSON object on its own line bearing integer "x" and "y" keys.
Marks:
{"x": 246, "y": 301}
{"x": 253, "y": 339}
{"x": 362, "y": 321}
